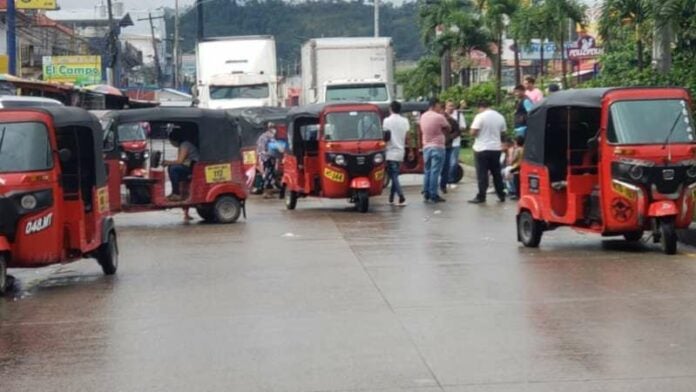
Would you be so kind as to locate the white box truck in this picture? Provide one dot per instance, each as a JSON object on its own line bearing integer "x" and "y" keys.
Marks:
{"x": 234, "y": 72}
{"x": 356, "y": 69}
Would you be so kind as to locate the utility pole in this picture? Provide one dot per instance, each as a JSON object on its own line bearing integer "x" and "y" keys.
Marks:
{"x": 158, "y": 71}
{"x": 176, "y": 44}
{"x": 11, "y": 37}
{"x": 112, "y": 76}
{"x": 199, "y": 15}
{"x": 376, "y": 18}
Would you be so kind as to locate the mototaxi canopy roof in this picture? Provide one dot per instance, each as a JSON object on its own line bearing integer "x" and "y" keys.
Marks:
{"x": 537, "y": 125}
{"x": 218, "y": 137}
{"x": 252, "y": 121}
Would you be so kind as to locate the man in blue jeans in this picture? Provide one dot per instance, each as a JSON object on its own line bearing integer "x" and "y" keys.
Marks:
{"x": 398, "y": 127}
{"x": 434, "y": 127}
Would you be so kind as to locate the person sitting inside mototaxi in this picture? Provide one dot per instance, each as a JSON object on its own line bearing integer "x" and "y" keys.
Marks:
{"x": 180, "y": 169}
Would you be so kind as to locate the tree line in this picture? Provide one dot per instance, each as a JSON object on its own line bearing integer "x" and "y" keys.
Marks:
{"x": 293, "y": 23}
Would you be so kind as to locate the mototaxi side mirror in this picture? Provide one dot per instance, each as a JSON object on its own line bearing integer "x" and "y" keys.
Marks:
{"x": 110, "y": 141}
{"x": 65, "y": 155}
{"x": 386, "y": 135}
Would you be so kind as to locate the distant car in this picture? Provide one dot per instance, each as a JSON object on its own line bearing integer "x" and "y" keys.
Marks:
{"x": 14, "y": 101}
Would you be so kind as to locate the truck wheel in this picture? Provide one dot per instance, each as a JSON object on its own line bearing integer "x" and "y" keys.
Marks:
{"x": 458, "y": 174}
{"x": 4, "y": 281}
{"x": 107, "y": 255}
{"x": 290, "y": 200}
{"x": 206, "y": 213}
{"x": 633, "y": 236}
{"x": 226, "y": 209}
{"x": 363, "y": 201}
{"x": 529, "y": 230}
{"x": 668, "y": 236}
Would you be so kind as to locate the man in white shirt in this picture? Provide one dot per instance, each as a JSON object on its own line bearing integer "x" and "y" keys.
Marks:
{"x": 487, "y": 129}
{"x": 398, "y": 126}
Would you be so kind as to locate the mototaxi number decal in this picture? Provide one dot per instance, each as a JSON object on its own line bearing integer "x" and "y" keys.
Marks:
{"x": 249, "y": 157}
{"x": 334, "y": 175}
{"x": 625, "y": 191}
{"x": 39, "y": 224}
{"x": 379, "y": 175}
{"x": 218, "y": 173}
{"x": 103, "y": 199}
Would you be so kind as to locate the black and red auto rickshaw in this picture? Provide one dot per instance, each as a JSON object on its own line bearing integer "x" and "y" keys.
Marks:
{"x": 615, "y": 162}
{"x": 131, "y": 143}
{"x": 252, "y": 122}
{"x": 54, "y": 201}
{"x": 215, "y": 187}
{"x": 335, "y": 151}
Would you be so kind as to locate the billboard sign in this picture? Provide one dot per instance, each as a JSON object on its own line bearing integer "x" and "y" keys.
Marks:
{"x": 36, "y": 4}
{"x": 79, "y": 70}
{"x": 584, "y": 48}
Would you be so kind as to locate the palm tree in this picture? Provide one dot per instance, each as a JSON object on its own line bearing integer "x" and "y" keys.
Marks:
{"x": 496, "y": 14}
{"x": 560, "y": 13}
{"x": 635, "y": 14}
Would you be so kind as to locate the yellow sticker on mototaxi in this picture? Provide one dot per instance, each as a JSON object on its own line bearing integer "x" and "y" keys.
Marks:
{"x": 249, "y": 157}
{"x": 334, "y": 175}
{"x": 103, "y": 199}
{"x": 379, "y": 175}
{"x": 624, "y": 191}
{"x": 218, "y": 173}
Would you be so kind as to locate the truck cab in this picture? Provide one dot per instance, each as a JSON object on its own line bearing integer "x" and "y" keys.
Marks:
{"x": 367, "y": 90}
{"x": 238, "y": 90}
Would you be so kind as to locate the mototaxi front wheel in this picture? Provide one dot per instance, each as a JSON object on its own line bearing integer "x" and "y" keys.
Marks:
{"x": 668, "y": 236}
{"x": 290, "y": 200}
{"x": 362, "y": 201}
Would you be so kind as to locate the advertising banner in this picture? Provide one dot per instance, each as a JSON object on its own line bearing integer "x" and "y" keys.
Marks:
{"x": 36, "y": 4}
{"x": 79, "y": 70}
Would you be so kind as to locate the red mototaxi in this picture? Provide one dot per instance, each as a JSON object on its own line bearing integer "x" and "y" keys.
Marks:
{"x": 616, "y": 161}
{"x": 54, "y": 201}
{"x": 328, "y": 157}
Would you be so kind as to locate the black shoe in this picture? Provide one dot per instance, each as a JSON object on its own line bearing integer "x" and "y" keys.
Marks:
{"x": 476, "y": 200}
{"x": 501, "y": 198}
{"x": 443, "y": 190}
{"x": 438, "y": 199}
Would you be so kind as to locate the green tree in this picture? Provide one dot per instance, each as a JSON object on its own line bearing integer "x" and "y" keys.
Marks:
{"x": 636, "y": 15}
{"x": 496, "y": 13}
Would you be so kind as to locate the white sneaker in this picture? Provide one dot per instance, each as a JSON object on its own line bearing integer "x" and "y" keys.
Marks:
{"x": 402, "y": 204}
{"x": 452, "y": 186}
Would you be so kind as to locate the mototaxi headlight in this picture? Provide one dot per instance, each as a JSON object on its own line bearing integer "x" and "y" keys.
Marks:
{"x": 124, "y": 156}
{"x": 379, "y": 158}
{"x": 636, "y": 172}
{"x": 691, "y": 172}
{"x": 28, "y": 202}
{"x": 146, "y": 154}
{"x": 340, "y": 160}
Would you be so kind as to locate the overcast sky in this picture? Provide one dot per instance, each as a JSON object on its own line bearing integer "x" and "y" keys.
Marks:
{"x": 132, "y": 4}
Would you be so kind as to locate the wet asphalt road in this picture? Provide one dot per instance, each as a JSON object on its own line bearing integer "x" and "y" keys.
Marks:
{"x": 425, "y": 298}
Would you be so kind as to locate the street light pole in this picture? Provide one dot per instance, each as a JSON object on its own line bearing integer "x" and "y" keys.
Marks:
{"x": 199, "y": 11}
{"x": 111, "y": 72}
{"x": 176, "y": 44}
{"x": 376, "y": 18}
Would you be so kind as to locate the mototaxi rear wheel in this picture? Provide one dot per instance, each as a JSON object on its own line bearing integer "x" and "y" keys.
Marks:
{"x": 226, "y": 209}
{"x": 4, "y": 283}
{"x": 529, "y": 230}
{"x": 107, "y": 255}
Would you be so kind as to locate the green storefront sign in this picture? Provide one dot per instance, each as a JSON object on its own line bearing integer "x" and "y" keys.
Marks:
{"x": 78, "y": 70}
